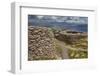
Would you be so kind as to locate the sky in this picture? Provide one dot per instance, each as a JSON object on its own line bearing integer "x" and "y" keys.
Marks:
{"x": 66, "y": 19}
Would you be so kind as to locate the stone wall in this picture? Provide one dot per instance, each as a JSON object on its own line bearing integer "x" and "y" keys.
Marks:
{"x": 40, "y": 43}
{"x": 69, "y": 38}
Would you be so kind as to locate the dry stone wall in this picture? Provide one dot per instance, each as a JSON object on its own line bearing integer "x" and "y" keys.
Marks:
{"x": 40, "y": 43}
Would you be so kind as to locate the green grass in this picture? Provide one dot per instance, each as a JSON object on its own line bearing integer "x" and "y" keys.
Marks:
{"x": 81, "y": 43}
{"x": 74, "y": 54}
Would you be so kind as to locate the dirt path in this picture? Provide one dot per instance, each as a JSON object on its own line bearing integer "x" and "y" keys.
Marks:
{"x": 64, "y": 53}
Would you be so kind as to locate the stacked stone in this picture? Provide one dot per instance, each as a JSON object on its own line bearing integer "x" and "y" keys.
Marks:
{"x": 40, "y": 43}
{"x": 69, "y": 38}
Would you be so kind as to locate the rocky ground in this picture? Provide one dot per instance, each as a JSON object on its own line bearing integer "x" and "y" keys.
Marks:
{"x": 47, "y": 44}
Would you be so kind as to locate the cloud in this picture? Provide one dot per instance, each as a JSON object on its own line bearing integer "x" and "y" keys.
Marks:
{"x": 67, "y": 19}
{"x": 78, "y": 20}
{"x": 40, "y": 17}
